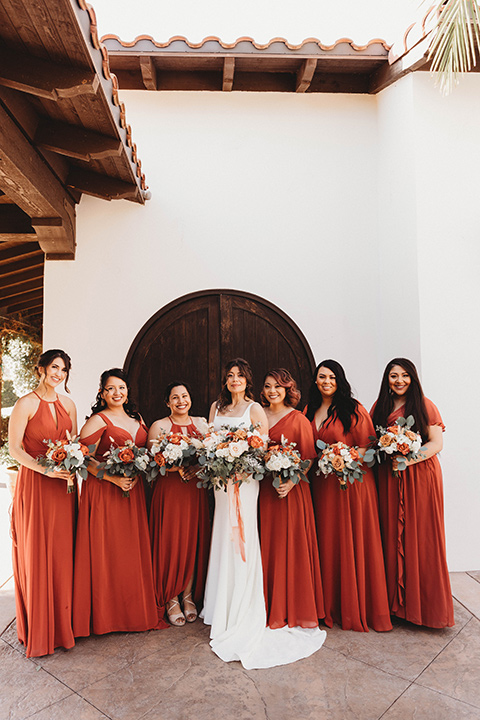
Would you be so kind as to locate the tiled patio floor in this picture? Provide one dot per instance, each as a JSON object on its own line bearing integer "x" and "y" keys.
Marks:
{"x": 409, "y": 673}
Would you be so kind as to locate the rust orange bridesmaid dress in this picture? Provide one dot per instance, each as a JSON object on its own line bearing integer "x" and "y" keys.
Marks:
{"x": 291, "y": 568}
{"x": 180, "y": 535}
{"x": 349, "y": 540}
{"x": 113, "y": 583}
{"x": 413, "y": 533}
{"x": 43, "y": 533}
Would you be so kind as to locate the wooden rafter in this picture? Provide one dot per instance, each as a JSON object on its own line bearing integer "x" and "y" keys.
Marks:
{"x": 149, "y": 73}
{"x": 305, "y": 75}
{"x": 13, "y": 221}
{"x": 228, "y": 73}
{"x": 100, "y": 186}
{"x": 44, "y": 78}
{"x": 30, "y": 183}
{"x": 76, "y": 142}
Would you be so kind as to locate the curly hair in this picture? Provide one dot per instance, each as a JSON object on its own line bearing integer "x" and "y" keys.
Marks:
{"x": 343, "y": 406}
{"x": 414, "y": 399}
{"x": 100, "y": 403}
{"x": 285, "y": 380}
{"x": 225, "y": 396}
{"x": 48, "y": 357}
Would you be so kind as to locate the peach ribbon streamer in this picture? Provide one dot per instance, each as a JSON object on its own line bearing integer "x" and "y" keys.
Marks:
{"x": 236, "y": 520}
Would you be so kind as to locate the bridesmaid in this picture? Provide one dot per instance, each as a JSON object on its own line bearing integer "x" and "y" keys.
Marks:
{"x": 113, "y": 585}
{"x": 288, "y": 540}
{"x": 43, "y": 514}
{"x": 411, "y": 506}
{"x": 348, "y": 530}
{"x": 179, "y": 521}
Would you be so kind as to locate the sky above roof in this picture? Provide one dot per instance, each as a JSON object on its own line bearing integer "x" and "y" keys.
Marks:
{"x": 295, "y": 20}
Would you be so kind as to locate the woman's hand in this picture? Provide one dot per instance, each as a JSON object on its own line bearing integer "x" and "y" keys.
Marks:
{"x": 285, "y": 488}
{"x": 123, "y": 483}
{"x": 60, "y": 475}
{"x": 189, "y": 473}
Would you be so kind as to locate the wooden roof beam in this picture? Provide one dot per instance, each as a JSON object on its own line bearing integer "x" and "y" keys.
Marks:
{"x": 101, "y": 186}
{"x": 19, "y": 289}
{"x": 12, "y": 279}
{"x": 29, "y": 301}
{"x": 228, "y": 74}
{"x": 76, "y": 142}
{"x": 305, "y": 75}
{"x": 15, "y": 224}
{"x": 149, "y": 73}
{"x": 43, "y": 78}
{"x": 29, "y": 182}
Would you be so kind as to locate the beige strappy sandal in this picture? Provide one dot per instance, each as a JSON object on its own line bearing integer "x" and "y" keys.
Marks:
{"x": 190, "y": 615}
{"x": 175, "y": 619}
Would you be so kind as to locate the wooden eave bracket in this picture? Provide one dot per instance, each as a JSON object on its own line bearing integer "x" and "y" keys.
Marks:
{"x": 101, "y": 186}
{"x": 228, "y": 74}
{"x": 76, "y": 142}
{"x": 43, "y": 78}
{"x": 305, "y": 75}
{"x": 149, "y": 73}
{"x": 51, "y": 235}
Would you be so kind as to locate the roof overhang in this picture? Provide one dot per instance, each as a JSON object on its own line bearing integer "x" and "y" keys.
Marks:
{"x": 245, "y": 65}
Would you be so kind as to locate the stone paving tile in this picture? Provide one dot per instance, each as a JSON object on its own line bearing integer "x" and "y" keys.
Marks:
{"x": 404, "y": 651}
{"x": 475, "y": 574}
{"x": 456, "y": 671}
{"x": 418, "y": 703}
{"x": 100, "y": 655}
{"x": 71, "y": 707}
{"x": 25, "y": 688}
{"x": 7, "y": 605}
{"x": 198, "y": 685}
{"x": 466, "y": 590}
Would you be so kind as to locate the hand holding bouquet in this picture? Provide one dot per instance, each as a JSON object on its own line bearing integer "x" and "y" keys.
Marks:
{"x": 285, "y": 463}
{"x": 397, "y": 441}
{"x": 70, "y": 456}
{"x": 171, "y": 450}
{"x": 235, "y": 453}
{"x": 340, "y": 460}
{"x": 125, "y": 460}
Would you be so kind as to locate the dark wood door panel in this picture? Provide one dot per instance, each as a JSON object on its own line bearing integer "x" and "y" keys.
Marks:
{"x": 193, "y": 337}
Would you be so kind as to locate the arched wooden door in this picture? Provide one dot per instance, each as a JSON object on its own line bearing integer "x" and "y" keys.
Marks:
{"x": 192, "y": 337}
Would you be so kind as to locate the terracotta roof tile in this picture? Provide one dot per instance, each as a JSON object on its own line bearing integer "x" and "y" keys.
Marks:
{"x": 413, "y": 35}
{"x": 98, "y": 45}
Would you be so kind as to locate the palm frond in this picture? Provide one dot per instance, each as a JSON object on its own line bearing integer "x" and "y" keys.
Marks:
{"x": 456, "y": 41}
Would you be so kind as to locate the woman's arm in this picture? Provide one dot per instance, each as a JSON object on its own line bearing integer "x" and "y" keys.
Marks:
{"x": 69, "y": 406}
{"x": 24, "y": 410}
{"x": 155, "y": 430}
{"x": 211, "y": 416}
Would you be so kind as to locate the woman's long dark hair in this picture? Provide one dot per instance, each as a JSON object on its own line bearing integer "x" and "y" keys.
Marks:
{"x": 49, "y": 356}
{"x": 100, "y": 403}
{"x": 225, "y": 396}
{"x": 414, "y": 399}
{"x": 343, "y": 406}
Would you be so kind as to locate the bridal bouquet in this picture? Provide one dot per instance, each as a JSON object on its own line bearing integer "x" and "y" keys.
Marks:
{"x": 395, "y": 440}
{"x": 70, "y": 454}
{"x": 171, "y": 450}
{"x": 235, "y": 453}
{"x": 285, "y": 463}
{"x": 126, "y": 460}
{"x": 340, "y": 460}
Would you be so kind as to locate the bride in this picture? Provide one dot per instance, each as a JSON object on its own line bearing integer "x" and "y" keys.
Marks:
{"x": 234, "y": 601}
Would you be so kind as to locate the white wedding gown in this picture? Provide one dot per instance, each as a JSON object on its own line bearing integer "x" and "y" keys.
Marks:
{"x": 234, "y": 601}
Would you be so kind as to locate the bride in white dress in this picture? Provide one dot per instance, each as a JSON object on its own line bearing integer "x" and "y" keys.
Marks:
{"x": 234, "y": 601}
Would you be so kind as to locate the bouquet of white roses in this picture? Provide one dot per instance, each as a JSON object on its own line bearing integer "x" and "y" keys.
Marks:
{"x": 70, "y": 454}
{"x": 285, "y": 463}
{"x": 340, "y": 460}
{"x": 171, "y": 450}
{"x": 398, "y": 441}
{"x": 126, "y": 460}
{"x": 235, "y": 453}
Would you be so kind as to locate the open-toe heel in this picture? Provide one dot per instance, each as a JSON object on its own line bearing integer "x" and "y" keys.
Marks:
{"x": 191, "y": 611}
{"x": 176, "y": 619}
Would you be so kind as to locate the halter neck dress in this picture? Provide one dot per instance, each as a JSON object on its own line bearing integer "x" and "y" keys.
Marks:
{"x": 179, "y": 534}
{"x": 234, "y": 599}
{"x": 43, "y": 532}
